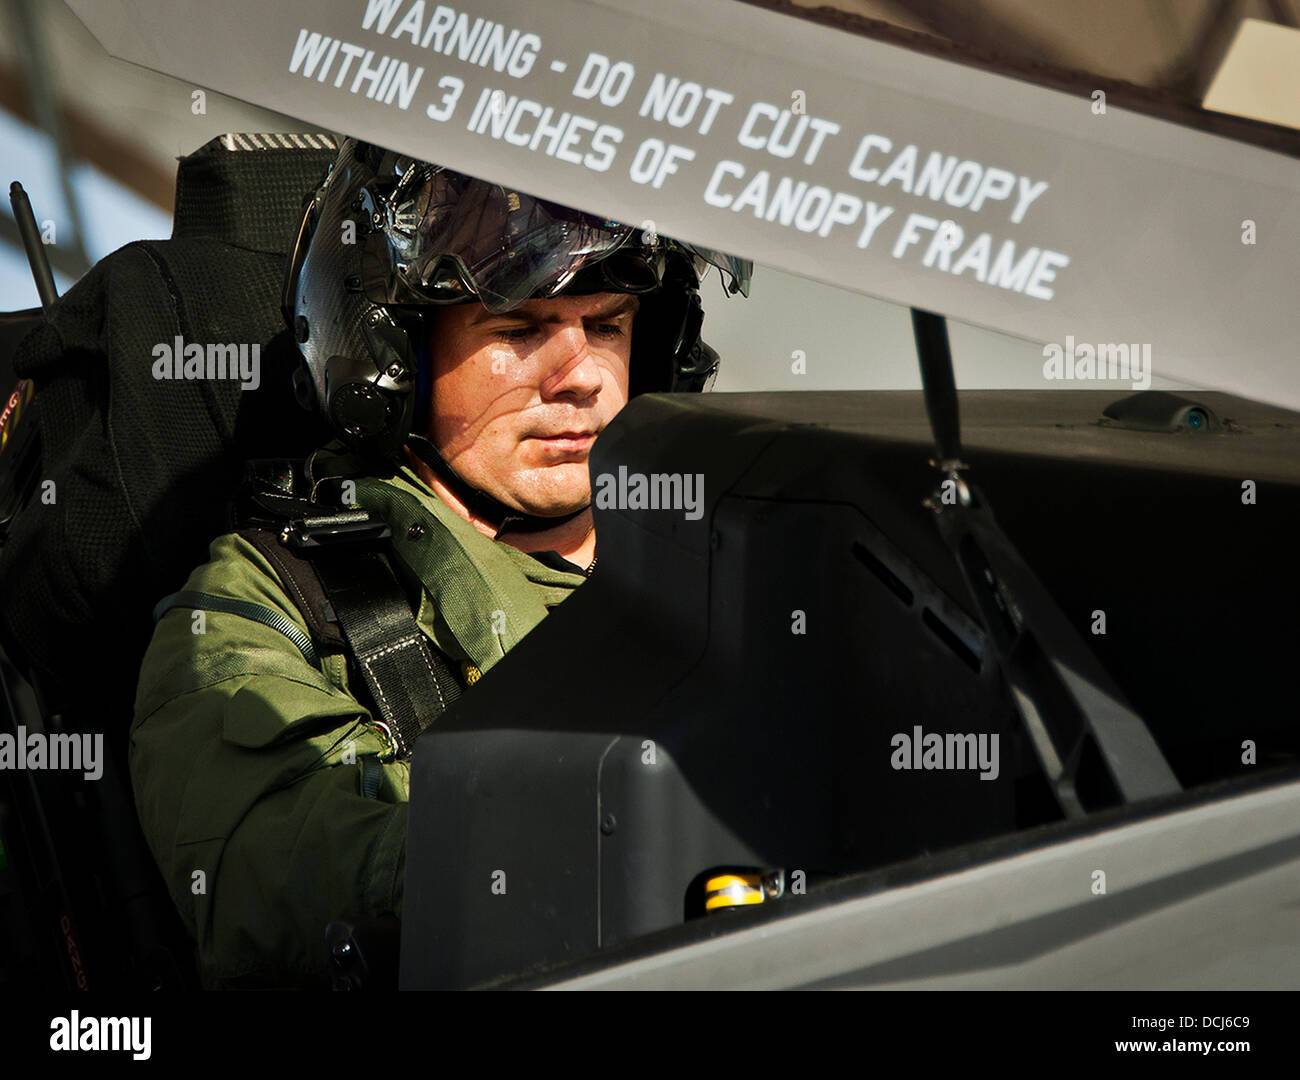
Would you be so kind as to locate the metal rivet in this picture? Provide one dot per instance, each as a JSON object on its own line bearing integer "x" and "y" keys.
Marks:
{"x": 415, "y": 531}
{"x": 607, "y": 824}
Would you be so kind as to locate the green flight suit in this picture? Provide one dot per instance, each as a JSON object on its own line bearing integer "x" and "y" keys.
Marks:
{"x": 248, "y": 762}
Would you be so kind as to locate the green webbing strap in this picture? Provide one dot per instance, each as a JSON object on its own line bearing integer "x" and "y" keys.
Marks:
{"x": 372, "y": 774}
{"x": 247, "y": 609}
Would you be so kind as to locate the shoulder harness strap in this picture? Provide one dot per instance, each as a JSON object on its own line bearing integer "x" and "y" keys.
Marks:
{"x": 338, "y": 567}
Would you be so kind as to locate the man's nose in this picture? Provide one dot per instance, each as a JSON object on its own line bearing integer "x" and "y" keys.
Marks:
{"x": 575, "y": 373}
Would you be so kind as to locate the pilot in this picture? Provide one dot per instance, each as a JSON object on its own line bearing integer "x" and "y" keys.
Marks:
{"x": 467, "y": 344}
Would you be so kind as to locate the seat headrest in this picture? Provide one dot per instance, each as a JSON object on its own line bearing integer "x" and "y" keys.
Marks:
{"x": 248, "y": 190}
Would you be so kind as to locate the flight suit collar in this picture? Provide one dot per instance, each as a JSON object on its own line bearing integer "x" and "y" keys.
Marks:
{"x": 482, "y": 592}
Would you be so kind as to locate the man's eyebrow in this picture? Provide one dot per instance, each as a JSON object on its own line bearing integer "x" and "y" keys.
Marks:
{"x": 619, "y": 307}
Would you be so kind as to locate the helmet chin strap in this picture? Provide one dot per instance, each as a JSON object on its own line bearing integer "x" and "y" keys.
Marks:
{"x": 501, "y": 517}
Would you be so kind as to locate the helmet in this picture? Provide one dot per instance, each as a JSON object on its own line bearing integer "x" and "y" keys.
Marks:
{"x": 386, "y": 237}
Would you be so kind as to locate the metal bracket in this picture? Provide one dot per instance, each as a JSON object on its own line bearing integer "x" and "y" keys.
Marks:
{"x": 1064, "y": 696}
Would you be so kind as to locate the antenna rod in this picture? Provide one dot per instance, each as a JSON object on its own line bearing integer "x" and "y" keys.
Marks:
{"x": 32, "y": 245}
{"x": 940, "y": 388}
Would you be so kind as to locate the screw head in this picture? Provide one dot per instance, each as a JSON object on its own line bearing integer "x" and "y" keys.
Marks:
{"x": 608, "y": 824}
{"x": 773, "y": 884}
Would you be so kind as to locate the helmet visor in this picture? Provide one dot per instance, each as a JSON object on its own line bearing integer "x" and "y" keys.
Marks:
{"x": 442, "y": 237}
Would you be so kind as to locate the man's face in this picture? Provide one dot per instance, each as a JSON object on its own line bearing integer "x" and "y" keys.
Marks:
{"x": 519, "y": 398}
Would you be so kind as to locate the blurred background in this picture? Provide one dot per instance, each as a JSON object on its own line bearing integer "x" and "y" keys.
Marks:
{"x": 94, "y": 141}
